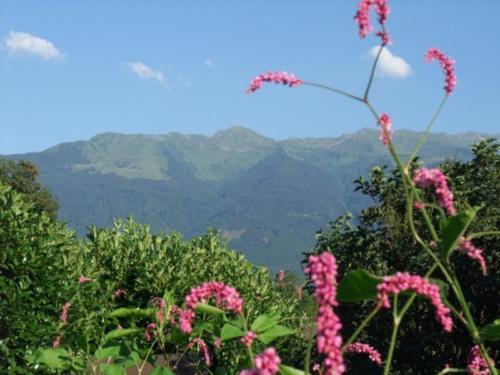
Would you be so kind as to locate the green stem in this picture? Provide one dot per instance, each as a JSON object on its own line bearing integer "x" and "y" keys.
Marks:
{"x": 307, "y": 362}
{"x": 426, "y": 131}
{"x": 483, "y": 234}
{"x": 372, "y": 72}
{"x": 395, "y": 328}
{"x": 360, "y": 328}
{"x": 329, "y": 88}
{"x": 450, "y": 370}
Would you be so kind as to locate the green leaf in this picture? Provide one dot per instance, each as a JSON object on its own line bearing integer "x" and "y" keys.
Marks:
{"x": 117, "y": 333}
{"x": 54, "y": 358}
{"x": 453, "y": 228}
{"x": 208, "y": 309}
{"x": 161, "y": 371}
{"x": 107, "y": 352}
{"x": 287, "y": 370}
{"x": 265, "y": 321}
{"x": 111, "y": 369}
{"x": 358, "y": 286}
{"x": 491, "y": 332}
{"x": 136, "y": 312}
{"x": 230, "y": 332}
{"x": 275, "y": 332}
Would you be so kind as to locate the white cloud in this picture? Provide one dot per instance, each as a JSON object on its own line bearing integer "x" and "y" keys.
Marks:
{"x": 20, "y": 43}
{"x": 145, "y": 72}
{"x": 209, "y": 63}
{"x": 390, "y": 65}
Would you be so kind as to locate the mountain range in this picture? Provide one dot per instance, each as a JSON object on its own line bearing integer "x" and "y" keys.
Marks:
{"x": 267, "y": 197}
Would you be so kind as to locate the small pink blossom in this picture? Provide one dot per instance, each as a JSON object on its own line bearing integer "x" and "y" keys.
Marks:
{"x": 266, "y": 363}
{"x": 120, "y": 293}
{"x": 276, "y": 77}
{"x": 473, "y": 252}
{"x": 447, "y": 64}
{"x": 362, "y": 17}
{"x": 404, "y": 281}
{"x": 424, "y": 177}
{"x": 316, "y": 367}
{"x": 372, "y": 353}
{"x": 63, "y": 318}
{"x": 476, "y": 364}
{"x": 385, "y": 128}
{"x": 217, "y": 342}
{"x": 203, "y": 346}
{"x": 281, "y": 275}
{"x": 83, "y": 280}
{"x": 57, "y": 341}
{"x": 247, "y": 340}
{"x": 150, "y": 332}
{"x": 186, "y": 318}
{"x": 418, "y": 205}
{"x": 323, "y": 272}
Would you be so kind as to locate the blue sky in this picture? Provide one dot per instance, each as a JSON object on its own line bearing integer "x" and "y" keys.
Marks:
{"x": 203, "y": 54}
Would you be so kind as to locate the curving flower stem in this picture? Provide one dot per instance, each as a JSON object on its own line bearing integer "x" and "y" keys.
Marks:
{"x": 307, "y": 362}
{"x": 451, "y": 370}
{"x": 483, "y": 234}
{"x": 360, "y": 328}
{"x": 426, "y": 131}
{"x": 329, "y": 88}
{"x": 372, "y": 72}
{"x": 395, "y": 328}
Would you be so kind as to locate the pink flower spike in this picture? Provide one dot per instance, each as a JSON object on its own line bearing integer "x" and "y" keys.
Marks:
{"x": 473, "y": 252}
{"x": 225, "y": 296}
{"x": 385, "y": 128}
{"x": 63, "y": 318}
{"x": 382, "y": 9}
{"x": 57, "y": 341}
{"x": 203, "y": 346}
{"x": 362, "y": 17}
{"x": 276, "y": 77}
{"x": 447, "y": 64}
{"x": 323, "y": 272}
{"x": 120, "y": 293}
{"x": 247, "y": 340}
{"x": 266, "y": 363}
{"x": 424, "y": 178}
{"x": 372, "y": 353}
{"x": 83, "y": 280}
{"x": 476, "y": 364}
{"x": 404, "y": 281}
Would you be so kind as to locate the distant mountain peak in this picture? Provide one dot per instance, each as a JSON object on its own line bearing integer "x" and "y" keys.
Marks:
{"x": 240, "y": 137}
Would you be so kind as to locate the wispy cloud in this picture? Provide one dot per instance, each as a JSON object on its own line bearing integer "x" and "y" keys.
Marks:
{"x": 19, "y": 43}
{"x": 209, "y": 63}
{"x": 145, "y": 72}
{"x": 389, "y": 64}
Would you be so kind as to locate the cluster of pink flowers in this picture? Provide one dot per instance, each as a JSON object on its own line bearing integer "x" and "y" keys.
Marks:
{"x": 247, "y": 340}
{"x": 424, "y": 177}
{"x": 266, "y": 363}
{"x": 185, "y": 318}
{"x": 385, "y": 130}
{"x": 476, "y": 364}
{"x": 404, "y": 281}
{"x": 276, "y": 77}
{"x": 120, "y": 293}
{"x": 63, "y": 318}
{"x": 447, "y": 64}
{"x": 225, "y": 296}
{"x": 473, "y": 252}
{"x": 323, "y": 272}
{"x": 372, "y": 353}
{"x": 362, "y": 17}
{"x": 203, "y": 346}
{"x": 83, "y": 280}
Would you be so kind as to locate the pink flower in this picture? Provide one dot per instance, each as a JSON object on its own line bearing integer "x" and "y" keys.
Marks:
{"x": 362, "y": 17}
{"x": 372, "y": 353}
{"x": 418, "y": 205}
{"x": 225, "y": 296}
{"x": 276, "y": 77}
{"x": 323, "y": 272}
{"x": 186, "y": 318}
{"x": 83, "y": 279}
{"x": 63, "y": 318}
{"x": 281, "y": 275}
{"x": 150, "y": 331}
{"x": 203, "y": 346}
{"x": 120, "y": 293}
{"x": 266, "y": 363}
{"x": 447, "y": 64}
{"x": 404, "y": 281}
{"x": 57, "y": 341}
{"x": 476, "y": 364}
{"x": 217, "y": 342}
{"x": 424, "y": 178}
{"x": 385, "y": 128}
{"x": 473, "y": 252}
{"x": 247, "y": 340}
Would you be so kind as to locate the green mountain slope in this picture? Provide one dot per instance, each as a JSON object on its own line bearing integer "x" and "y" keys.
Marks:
{"x": 268, "y": 197}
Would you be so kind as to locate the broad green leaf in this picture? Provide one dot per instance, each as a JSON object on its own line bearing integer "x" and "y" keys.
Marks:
{"x": 117, "y": 333}
{"x": 54, "y": 358}
{"x": 358, "y": 286}
{"x": 111, "y": 369}
{"x": 105, "y": 353}
{"x": 161, "y": 371}
{"x": 273, "y": 333}
{"x": 230, "y": 332}
{"x": 208, "y": 309}
{"x": 287, "y": 370}
{"x": 453, "y": 228}
{"x": 491, "y": 332}
{"x": 265, "y": 321}
{"x": 124, "y": 312}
